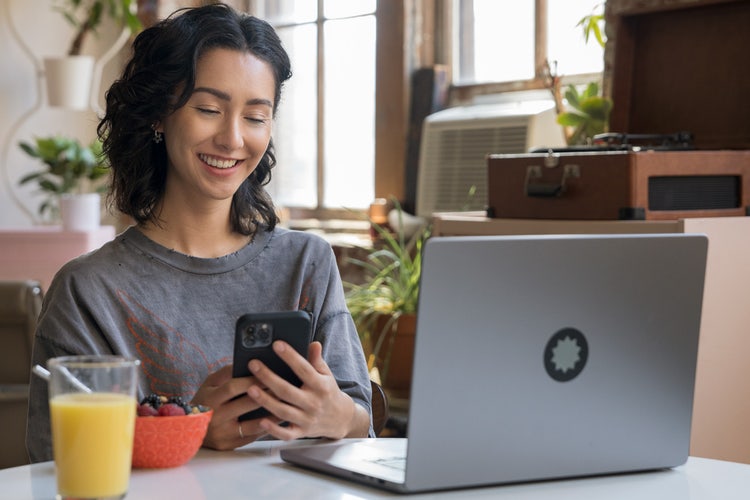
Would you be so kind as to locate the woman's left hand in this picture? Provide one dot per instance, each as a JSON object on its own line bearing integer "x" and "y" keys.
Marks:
{"x": 316, "y": 409}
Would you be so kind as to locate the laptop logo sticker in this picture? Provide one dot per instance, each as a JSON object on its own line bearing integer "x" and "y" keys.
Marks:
{"x": 566, "y": 354}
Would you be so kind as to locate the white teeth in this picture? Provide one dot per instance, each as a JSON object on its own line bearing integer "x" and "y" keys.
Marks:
{"x": 218, "y": 163}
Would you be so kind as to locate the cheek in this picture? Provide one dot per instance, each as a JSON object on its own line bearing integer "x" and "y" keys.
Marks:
{"x": 259, "y": 140}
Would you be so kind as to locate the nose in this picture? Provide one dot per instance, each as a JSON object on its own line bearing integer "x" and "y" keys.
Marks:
{"x": 229, "y": 136}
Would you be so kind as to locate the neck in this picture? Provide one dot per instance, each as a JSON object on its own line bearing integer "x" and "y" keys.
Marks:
{"x": 206, "y": 236}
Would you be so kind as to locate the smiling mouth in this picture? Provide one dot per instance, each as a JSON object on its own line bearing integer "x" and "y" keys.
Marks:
{"x": 217, "y": 163}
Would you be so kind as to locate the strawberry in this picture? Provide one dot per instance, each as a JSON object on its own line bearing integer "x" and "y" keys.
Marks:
{"x": 145, "y": 410}
{"x": 171, "y": 410}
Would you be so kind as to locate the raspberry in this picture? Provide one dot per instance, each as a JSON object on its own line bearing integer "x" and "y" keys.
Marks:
{"x": 171, "y": 410}
{"x": 146, "y": 410}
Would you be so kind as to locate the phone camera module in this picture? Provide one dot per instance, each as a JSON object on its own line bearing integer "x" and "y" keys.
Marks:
{"x": 257, "y": 335}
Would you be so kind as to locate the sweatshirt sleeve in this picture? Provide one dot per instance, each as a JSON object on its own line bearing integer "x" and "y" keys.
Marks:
{"x": 64, "y": 329}
{"x": 342, "y": 348}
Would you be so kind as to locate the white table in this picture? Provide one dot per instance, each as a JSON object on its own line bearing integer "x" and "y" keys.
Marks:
{"x": 256, "y": 471}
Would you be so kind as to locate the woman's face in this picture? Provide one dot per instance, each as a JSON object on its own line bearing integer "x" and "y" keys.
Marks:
{"x": 218, "y": 137}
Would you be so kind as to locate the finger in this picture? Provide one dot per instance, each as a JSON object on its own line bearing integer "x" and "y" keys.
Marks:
{"x": 315, "y": 358}
{"x": 299, "y": 365}
{"x": 290, "y": 356}
{"x": 230, "y": 390}
{"x": 277, "y": 384}
{"x": 248, "y": 431}
{"x": 266, "y": 378}
{"x": 240, "y": 406}
{"x": 280, "y": 398}
{"x": 285, "y": 432}
{"x": 223, "y": 432}
{"x": 276, "y": 404}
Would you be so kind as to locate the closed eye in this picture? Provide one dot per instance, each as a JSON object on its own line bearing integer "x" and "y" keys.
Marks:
{"x": 206, "y": 111}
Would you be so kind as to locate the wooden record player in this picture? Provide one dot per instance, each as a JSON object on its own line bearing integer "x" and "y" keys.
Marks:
{"x": 670, "y": 66}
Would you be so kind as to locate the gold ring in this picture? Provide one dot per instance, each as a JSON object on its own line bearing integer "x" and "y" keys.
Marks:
{"x": 239, "y": 427}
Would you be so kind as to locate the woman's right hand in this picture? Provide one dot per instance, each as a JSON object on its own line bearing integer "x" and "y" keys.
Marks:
{"x": 227, "y": 396}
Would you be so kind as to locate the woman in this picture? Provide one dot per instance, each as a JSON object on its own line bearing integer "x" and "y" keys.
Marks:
{"x": 187, "y": 132}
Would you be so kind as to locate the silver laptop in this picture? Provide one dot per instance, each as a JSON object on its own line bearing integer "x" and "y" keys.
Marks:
{"x": 541, "y": 357}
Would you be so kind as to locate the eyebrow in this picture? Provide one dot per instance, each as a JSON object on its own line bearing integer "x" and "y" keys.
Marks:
{"x": 226, "y": 97}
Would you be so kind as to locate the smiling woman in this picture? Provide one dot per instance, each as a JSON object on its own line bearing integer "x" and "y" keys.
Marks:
{"x": 215, "y": 142}
{"x": 187, "y": 132}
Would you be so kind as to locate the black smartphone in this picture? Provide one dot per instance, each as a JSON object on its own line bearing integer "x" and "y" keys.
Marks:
{"x": 254, "y": 334}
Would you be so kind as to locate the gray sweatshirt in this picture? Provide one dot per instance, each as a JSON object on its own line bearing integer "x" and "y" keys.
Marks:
{"x": 177, "y": 313}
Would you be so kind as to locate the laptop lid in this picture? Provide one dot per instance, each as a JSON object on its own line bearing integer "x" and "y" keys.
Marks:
{"x": 542, "y": 357}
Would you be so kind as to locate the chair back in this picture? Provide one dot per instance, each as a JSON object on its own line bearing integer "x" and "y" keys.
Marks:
{"x": 379, "y": 408}
{"x": 20, "y": 303}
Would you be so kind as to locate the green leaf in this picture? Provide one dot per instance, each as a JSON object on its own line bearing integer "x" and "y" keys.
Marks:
{"x": 571, "y": 95}
{"x": 570, "y": 119}
{"x": 598, "y": 34}
{"x": 592, "y": 90}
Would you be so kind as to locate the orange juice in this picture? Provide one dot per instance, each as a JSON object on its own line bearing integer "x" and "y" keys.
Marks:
{"x": 92, "y": 440}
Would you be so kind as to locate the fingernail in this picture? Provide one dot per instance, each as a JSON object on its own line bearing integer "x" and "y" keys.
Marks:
{"x": 254, "y": 365}
{"x": 279, "y": 346}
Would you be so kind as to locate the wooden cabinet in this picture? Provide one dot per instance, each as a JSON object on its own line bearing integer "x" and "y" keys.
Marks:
{"x": 721, "y": 413}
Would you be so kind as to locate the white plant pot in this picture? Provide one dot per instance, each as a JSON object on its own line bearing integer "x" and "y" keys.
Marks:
{"x": 80, "y": 212}
{"x": 69, "y": 81}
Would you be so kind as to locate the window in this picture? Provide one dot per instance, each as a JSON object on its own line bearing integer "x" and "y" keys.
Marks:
{"x": 509, "y": 42}
{"x": 325, "y": 127}
{"x": 325, "y": 130}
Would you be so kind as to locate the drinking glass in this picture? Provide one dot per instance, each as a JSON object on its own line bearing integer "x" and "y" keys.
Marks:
{"x": 92, "y": 414}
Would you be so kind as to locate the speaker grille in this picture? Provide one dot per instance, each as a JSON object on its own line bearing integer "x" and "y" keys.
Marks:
{"x": 694, "y": 192}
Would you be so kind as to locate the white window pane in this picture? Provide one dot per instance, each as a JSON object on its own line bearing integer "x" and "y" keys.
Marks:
{"x": 349, "y": 112}
{"x": 294, "y": 178}
{"x": 566, "y": 43}
{"x": 503, "y": 41}
{"x": 289, "y": 11}
{"x": 346, "y": 8}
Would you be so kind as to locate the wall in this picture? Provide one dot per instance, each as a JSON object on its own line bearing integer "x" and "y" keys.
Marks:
{"x": 46, "y": 33}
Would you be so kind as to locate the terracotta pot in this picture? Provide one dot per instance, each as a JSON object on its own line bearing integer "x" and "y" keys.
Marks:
{"x": 395, "y": 357}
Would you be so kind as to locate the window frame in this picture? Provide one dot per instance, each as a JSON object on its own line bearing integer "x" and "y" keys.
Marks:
{"x": 465, "y": 93}
{"x": 412, "y": 34}
{"x": 320, "y": 211}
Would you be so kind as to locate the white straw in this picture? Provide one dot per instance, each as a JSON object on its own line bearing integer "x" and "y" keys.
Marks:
{"x": 45, "y": 374}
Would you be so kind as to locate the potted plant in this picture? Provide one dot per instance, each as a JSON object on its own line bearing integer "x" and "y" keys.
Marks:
{"x": 72, "y": 181}
{"x": 69, "y": 78}
{"x": 589, "y": 110}
{"x": 589, "y": 115}
{"x": 384, "y": 305}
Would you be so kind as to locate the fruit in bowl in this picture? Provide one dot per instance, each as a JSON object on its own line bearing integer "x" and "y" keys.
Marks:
{"x": 168, "y": 432}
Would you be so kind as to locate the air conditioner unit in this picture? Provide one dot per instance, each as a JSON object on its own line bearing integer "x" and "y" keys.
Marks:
{"x": 452, "y": 170}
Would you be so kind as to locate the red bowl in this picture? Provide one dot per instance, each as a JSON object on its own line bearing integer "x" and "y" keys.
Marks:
{"x": 162, "y": 442}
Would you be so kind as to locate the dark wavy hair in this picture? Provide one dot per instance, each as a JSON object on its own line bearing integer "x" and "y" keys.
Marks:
{"x": 164, "y": 61}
